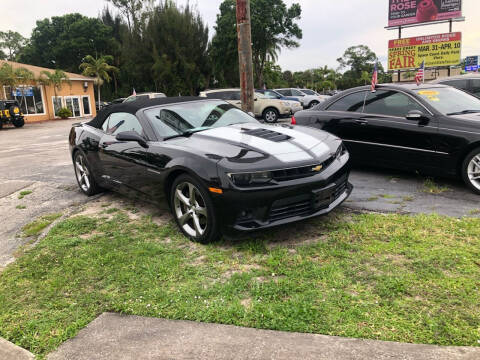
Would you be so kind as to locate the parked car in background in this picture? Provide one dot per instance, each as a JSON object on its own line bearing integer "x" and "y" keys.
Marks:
{"x": 308, "y": 101}
{"x": 469, "y": 83}
{"x": 309, "y": 92}
{"x": 431, "y": 128}
{"x": 270, "y": 110}
{"x": 10, "y": 113}
{"x": 146, "y": 95}
{"x": 220, "y": 170}
{"x": 295, "y": 104}
{"x": 100, "y": 105}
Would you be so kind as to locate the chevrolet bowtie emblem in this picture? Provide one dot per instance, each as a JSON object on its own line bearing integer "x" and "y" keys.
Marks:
{"x": 317, "y": 168}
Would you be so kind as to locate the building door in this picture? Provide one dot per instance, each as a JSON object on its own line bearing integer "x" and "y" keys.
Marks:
{"x": 73, "y": 103}
{"x": 86, "y": 105}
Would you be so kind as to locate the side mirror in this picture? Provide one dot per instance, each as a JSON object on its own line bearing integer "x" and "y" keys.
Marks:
{"x": 132, "y": 136}
{"x": 255, "y": 99}
{"x": 416, "y": 115}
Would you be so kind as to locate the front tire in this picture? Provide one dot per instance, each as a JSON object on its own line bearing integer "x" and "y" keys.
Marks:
{"x": 313, "y": 104}
{"x": 85, "y": 179}
{"x": 18, "y": 123}
{"x": 193, "y": 210}
{"x": 270, "y": 115}
{"x": 471, "y": 170}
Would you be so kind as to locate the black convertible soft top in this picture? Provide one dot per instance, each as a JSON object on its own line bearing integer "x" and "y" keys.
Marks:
{"x": 133, "y": 106}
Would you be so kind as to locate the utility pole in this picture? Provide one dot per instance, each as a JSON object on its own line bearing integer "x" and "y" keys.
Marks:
{"x": 244, "y": 34}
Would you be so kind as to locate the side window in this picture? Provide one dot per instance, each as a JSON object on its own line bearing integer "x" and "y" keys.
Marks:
{"x": 131, "y": 98}
{"x": 475, "y": 87}
{"x": 285, "y": 92}
{"x": 459, "y": 84}
{"x": 297, "y": 93}
{"x": 221, "y": 95}
{"x": 270, "y": 95}
{"x": 351, "y": 103}
{"x": 120, "y": 122}
{"x": 235, "y": 95}
{"x": 105, "y": 124}
{"x": 390, "y": 103}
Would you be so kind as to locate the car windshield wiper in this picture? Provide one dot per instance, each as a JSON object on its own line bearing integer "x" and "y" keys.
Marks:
{"x": 187, "y": 133}
{"x": 464, "y": 112}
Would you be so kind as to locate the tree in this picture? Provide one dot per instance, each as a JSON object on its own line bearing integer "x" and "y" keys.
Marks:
{"x": 12, "y": 77}
{"x": 99, "y": 68}
{"x": 273, "y": 28}
{"x": 55, "y": 79}
{"x": 13, "y": 42}
{"x": 356, "y": 61}
{"x": 131, "y": 9}
{"x": 62, "y": 41}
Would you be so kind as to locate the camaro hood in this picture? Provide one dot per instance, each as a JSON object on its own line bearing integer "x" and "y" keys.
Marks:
{"x": 255, "y": 143}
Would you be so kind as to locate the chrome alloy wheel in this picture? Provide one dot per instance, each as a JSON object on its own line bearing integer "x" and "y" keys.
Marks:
{"x": 81, "y": 171}
{"x": 190, "y": 209}
{"x": 270, "y": 116}
{"x": 474, "y": 171}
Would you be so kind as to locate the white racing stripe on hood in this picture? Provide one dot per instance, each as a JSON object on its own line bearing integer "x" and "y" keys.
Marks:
{"x": 287, "y": 151}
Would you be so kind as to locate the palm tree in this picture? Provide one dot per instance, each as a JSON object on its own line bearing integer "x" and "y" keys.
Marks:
{"x": 99, "y": 68}
{"x": 12, "y": 77}
{"x": 55, "y": 79}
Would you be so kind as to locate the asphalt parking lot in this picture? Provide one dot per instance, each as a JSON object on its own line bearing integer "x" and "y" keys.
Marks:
{"x": 36, "y": 158}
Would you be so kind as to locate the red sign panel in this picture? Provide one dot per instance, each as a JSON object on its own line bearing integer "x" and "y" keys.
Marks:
{"x": 405, "y": 12}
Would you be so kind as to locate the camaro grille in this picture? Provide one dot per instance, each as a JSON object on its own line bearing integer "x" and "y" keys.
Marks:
{"x": 300, "y": 172}
{"x": 307, "y": 204}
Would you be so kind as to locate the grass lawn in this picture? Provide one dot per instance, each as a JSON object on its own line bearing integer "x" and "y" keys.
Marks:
{"x": 389, "y": 277}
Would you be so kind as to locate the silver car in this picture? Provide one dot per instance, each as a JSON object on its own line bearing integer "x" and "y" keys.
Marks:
{"x": 308, "y": 100}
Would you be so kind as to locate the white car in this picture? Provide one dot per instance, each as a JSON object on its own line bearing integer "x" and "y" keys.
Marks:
{"x": 308, "y": 100}
{"x": 149, "y": 95}
{"x": 270, "y": 110}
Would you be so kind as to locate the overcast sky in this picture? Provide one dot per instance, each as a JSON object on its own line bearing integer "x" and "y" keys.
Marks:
{"x": 329, "y": 27}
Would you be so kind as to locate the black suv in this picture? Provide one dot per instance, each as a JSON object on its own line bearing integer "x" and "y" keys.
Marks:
{"x": 10, "y": 113}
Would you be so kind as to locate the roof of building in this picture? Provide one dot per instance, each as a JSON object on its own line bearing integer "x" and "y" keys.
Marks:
{"x": 37, "y": 70}
{"x": 133, "y": 106}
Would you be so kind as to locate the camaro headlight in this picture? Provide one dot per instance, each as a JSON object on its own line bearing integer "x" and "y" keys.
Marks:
{"x": 246, "y": 179}
{"x": 340, "y": 151}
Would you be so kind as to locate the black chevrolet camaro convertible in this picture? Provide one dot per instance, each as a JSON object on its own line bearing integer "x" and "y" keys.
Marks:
{"x": 429, "y": 128}
{"x": 220, "y": 170}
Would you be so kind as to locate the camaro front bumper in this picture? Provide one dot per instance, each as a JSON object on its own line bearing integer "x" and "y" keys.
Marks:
{"x": 244, "y": 211}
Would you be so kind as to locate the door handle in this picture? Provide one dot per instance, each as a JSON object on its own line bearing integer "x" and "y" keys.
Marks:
{"x": 361, "y": 121}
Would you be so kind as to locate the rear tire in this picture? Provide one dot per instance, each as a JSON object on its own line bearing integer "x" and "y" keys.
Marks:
{"x": 270, "y": 115}
{"x": 193, "y": 210}
{"x": 471, "y": 170}
{"x": 86, "y": 181}
{"x": 18, "y": 123}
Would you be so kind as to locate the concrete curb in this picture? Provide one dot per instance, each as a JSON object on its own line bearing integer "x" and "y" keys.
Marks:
{"x": 9, "y": 351}
{"x": 113, "y": 336}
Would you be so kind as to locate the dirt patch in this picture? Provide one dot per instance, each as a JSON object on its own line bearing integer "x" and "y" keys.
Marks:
{"x": 109, "y": 204}
{"x": 246, "y": 303}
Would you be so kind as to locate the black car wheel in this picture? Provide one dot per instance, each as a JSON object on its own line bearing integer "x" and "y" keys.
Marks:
{"x": 85, "y": 180}
{"x": 313, "y": 104}
{"x": 193, "y": 210}
{"x": 19, "y": 122}
{"x": 270, "y": 115}
{"x": 471, "y": 170}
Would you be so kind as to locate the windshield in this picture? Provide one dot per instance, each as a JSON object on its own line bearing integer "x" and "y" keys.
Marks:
{"x": 196, "y": 116}
{"x": 309, "y": 92}
{"x": 450, "y": 101}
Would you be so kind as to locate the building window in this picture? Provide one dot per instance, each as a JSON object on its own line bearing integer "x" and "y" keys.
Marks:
{"x": 86, "y": 105}
{"x": 57, "y": 104}
{"x": 29, "y": 98}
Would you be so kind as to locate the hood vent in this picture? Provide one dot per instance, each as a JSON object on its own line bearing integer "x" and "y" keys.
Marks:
{"x": 267, "y": 134}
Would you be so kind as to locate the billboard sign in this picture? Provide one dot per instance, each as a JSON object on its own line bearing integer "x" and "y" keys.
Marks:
{"x": 471, "y": 63}
{"x": 405, "y": 12}
{"x": 436, "y": 50}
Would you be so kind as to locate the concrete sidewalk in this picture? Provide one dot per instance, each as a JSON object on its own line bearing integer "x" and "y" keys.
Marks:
{"x": 9, "y": 351}
{"x": 113, "y": 336}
